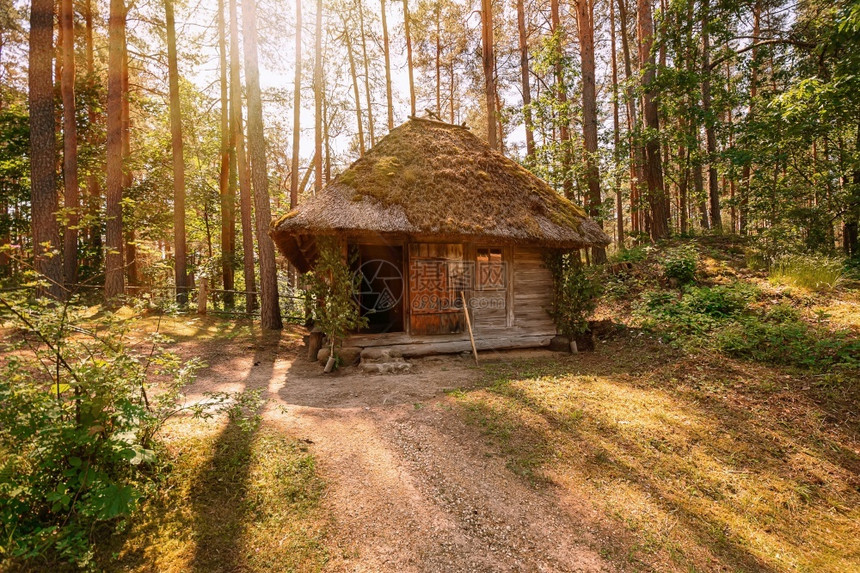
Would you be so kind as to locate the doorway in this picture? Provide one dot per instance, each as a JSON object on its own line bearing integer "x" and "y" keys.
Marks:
{"x": 380, "y": 296}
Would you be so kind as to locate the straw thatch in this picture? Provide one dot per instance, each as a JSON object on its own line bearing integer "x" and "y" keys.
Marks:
{"x": 429, "y": 178}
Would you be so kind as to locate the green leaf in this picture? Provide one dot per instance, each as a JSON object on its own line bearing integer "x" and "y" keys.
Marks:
{"x": 59, "y": 388}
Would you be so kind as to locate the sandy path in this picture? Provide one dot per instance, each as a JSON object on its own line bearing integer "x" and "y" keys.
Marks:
{"x": 410, "y": 486}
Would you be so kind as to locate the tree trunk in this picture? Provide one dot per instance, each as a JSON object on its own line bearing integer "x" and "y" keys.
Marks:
{"x": 226, "y": 192}
{"x": 43, "y": 191}
{"x": 526, "y": 84}
{"x": 657, "y": 200}
{"x": 270, "y": 310}
{"x": 366, "y": 64}
{"x": 114, "y": 275}
{"x": 616, "y": 133}
{"x": 746, "y": 173}
{"x": 710, "y": 130}
{"x": 297, "y": 102}
{"x": 354, "y": 90}
{"x": 240, "y": 164}
{"x": 561, "y": 98}
{"x": 438, "y": 61}
{"x": 488, "y": 58}
{"x": 318, "y": 100}
{"x": 93, "y": 191}
{"x": 387, "y": 53}
{"x": 179, "y": 247}
{"x": 70, "y": 146}
{"x": 637, "y": 154}
{"x": 585, "y": 23}
{"x": 130, "y": 235}
{"x": 406, "y": 19}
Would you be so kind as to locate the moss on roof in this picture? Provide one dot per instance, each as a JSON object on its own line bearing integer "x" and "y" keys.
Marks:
{"x": 431, "y": 177}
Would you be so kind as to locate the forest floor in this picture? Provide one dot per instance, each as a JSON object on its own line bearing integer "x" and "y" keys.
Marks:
{"x": 640, "y": 456}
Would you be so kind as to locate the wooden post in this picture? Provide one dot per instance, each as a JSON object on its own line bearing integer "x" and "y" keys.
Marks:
{"x": 469, "y": 324}
{"x": 315, "y": 340}
{"x": 202, "y": 295}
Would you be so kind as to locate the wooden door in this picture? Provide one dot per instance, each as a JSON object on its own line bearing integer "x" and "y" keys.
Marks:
{"x": 437, "y": 275}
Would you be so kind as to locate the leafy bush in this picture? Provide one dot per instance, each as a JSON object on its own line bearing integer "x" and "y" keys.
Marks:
{"x": 790, "y": 343}
{"x": 332, "y": 287}
{"x": 79, "y": 427}
{"x": 719, "y": 301}
{"x": 576, "y": 292}
{"x": 633, "y": 255}
{"x": 813, "y": 272}
{"x": 679, "y": 264}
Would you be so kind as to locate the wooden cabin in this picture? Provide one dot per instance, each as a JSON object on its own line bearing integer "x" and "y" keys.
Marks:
{"x": 433, "y": 216}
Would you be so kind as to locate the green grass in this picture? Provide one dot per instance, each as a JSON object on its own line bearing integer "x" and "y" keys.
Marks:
{"x": 709, "y": 466}
{"x": 810, "y": 272}
{"x": 229, "y": 500}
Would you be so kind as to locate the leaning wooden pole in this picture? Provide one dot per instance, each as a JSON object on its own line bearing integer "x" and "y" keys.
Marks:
{"x": 469, "y": 325}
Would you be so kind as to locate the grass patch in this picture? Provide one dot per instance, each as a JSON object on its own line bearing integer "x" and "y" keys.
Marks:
{"x": 810, "y": 272}
{"x": 706, "y": 470}
{"x": 230, "y": 500}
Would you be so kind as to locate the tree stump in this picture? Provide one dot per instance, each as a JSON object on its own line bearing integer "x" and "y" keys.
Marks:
{"x": 315, "y": 342}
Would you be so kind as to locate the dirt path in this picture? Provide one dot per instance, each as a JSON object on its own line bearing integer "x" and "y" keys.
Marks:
{"x": 410, "y": 486}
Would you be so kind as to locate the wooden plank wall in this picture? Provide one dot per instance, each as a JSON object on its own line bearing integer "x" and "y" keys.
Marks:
{"x": 532, "y": 292}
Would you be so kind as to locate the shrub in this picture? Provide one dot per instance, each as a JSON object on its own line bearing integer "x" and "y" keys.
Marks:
{"x": 633, "y": 255}
{"x": 813, "y": 272}
{"x": 696, "y": 312}
{"x": 679, "y": 264}
{"x": 719, "y": 301}
{"x": 334, "y": 285}
{"x": 79, "y": 427}
{"x": 576, "y": 292}
{"x": 790, "y": 343}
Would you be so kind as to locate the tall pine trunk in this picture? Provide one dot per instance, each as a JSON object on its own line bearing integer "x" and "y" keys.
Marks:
{"x": 524, "y": 78}
{"x": 226, "y": 191}
{"x": 240, "y": 164}
{"x": 409, "y": 65}
{"x": 114, "y": 272}
{"x": 128, "y": 232}
{"x": 488, "y": 58}
{"x": 93, "y": 190}
{"x": 318, "y": 100}
{"x": 70, "y": 146}
{"x": 657, "y": 200}
{"x": 354, "y": 90}
{"x": 179, "y": 246}
{"x": 616, "y": 132}
{"x": 637, "y": 154}
{"x": 366, "y": 64}
{"x": 585, "y": 23}
{"x": 297, "y": 111}
{"x": 710, "y": 128}
{"x": 387, "y": 54}
{"x": 746, "y": 172}
{"x": 270, "y": 310}
{"x": 43, "y": 190}
{"x": 561, "y": 98}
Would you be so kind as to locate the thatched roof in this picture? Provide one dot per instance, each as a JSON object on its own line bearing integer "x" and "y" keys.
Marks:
{"x": 427, "y": 178}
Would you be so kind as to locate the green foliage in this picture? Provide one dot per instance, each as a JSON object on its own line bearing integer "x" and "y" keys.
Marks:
{"x": 79, "y": 426}
{"x": 722, "y": 317}
{"x": 788, "y": 342}
{"x": 576, "y": 292}
{"x": 331, "y": 289}
{"x": 635, "y": 254}
{"x": 679, "y": 264}
{"x": 813, "y": 272}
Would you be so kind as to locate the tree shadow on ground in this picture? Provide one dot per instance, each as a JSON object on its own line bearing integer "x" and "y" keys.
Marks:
{"x": 220, "y": 492}
{"x": 609, "y": 427}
